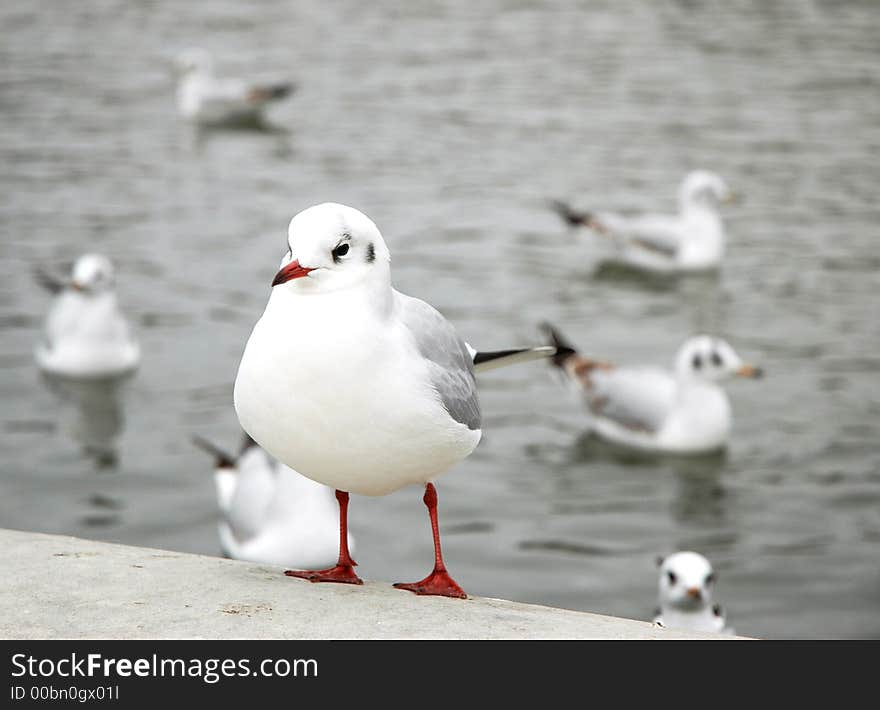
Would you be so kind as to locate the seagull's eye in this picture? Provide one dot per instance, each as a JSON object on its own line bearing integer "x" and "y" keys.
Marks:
{"x": 710, "y": 579}
{"x": 716, "y": 359}
{"x": 698, "y": 362}
{"x": 673, "y": 578}
{"x": 340, "y": 251}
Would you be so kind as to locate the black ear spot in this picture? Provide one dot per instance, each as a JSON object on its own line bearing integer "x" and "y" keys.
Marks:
{"x": 697, "y": 362}
{"x": 371, "y": 253}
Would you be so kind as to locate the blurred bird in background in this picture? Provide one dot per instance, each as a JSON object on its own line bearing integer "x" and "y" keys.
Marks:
{"x": 692, "y": 240}
{"x": 683, "y": 410}
{"x": 209, "y": 100}
{"x": 269, "y": 512}
{"x": 685, "y": 594}
{"x": 85, "y": 333}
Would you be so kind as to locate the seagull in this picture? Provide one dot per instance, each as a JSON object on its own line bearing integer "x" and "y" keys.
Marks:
{"x": 685, "y": 594}
{"x": 211, "y": 101}
{"x": 270, "y": 513}
{"x": 683, "y": 410}
{"x": 356, "y": 385}
{"x": 86, "y": 335}
{"x": 692, "y": 240}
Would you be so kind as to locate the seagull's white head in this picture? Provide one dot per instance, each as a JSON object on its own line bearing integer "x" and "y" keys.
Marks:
{"x": 92, "y": 273}
{"x": 332, "y": 247}
{"x": 194, "y": 61}
{"x": 686, "y": 581}
{"x": 708, "y": 358}
{"x": 702, "y": 188}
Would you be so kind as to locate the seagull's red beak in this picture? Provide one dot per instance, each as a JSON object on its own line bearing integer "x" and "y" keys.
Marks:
{"x": 292, "y": 271}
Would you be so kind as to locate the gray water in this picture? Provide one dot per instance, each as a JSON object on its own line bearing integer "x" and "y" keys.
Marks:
{"x": 450, "y": 124}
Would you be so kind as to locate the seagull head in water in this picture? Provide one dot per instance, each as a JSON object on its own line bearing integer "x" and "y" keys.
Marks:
{"x": 333, "y": 247}
{"x": 711, "y": 359}
{"x": 704, "y": 189}
{"x": 92, "y": 274}
{"x": 686, "y": 582}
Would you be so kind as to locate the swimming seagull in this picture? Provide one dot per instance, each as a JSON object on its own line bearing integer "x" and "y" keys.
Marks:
{"x": 270, "y": 513}
{"x": 85, "y": 334}
{"x": 685, "y": 594}
{"x": 692, "y": 240}
{"x": 356, "y": 385}
{"x": 683, "y": 410}
{"x": 206, "y": 99}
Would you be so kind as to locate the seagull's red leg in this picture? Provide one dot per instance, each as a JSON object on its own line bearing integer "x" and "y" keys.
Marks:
{"x": 438, "y": 583}
{"x": 343, "y": 572}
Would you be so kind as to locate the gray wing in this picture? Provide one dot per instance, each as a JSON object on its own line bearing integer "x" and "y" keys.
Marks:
{"x": 639, "y": 399}
{"x": 449, "y": 362}
{"x": 658, "y": 233}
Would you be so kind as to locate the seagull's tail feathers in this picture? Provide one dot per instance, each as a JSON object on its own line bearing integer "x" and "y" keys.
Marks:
{"x": 571, "y": 216}
{"x": 485, "y": 361}
{"x": 221, "y": 458}
{"x": 564, "y": 349}
{"x": 569, "y": 360}
{"x": 271, "y": 92}
{"x": 48, "y": 281}
{"x": 247, "y": 443}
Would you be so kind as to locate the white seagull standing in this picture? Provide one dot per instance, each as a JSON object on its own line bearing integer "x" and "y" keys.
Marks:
{"x": 683, "y": 411}
{"x": 86, "y": 335}
{"x": 271, "y": 514}
{"x": 356, "y": 385}
{"x": 206, "y": 99}
{"x": 685, "y": 594}
{"x": 692, "y": 240}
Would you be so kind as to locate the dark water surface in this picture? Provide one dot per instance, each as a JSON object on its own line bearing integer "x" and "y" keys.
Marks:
{"x": 450, "y": 123}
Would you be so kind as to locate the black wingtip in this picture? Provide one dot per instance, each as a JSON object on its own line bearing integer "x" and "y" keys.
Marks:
{"x": 571, "y": 216}
{"x": 564, "y": 349}
{"x": 51, "y": 283}
{"x": 221, "y": 458}
{"x": 247, "y": 442}
{"x": 279, "y": 91}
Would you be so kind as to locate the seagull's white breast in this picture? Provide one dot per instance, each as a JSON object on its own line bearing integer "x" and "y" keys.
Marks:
{"x": 87, "y": 336}
{"x": 339, "y": 393}
{"x": 701, "y": 420}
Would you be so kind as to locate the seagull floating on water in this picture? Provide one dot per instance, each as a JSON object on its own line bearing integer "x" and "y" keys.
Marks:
{"x": 85, "y": 334}
{"x": 692, "y": 240}
{"x": 270, "y": 513}
{"x": 356, "y": 385}
{"x": 685, "y": 594}
{"x": 209, "y": 100}
{"x": 683, "y": 410}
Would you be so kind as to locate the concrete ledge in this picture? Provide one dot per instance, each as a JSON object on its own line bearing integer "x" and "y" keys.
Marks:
{"x": 64, "y": 587}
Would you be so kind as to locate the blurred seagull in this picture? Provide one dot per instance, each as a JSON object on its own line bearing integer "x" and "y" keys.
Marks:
{"x": 85, "y": 335}
{"x": 209, "y": 100}
{"x": 692, "y": 240}
{"x": 356, "y": 385}
{"x": 271, "y": 514}
{"x": 685, "y": 594}
{"x": 683, "y": 410}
